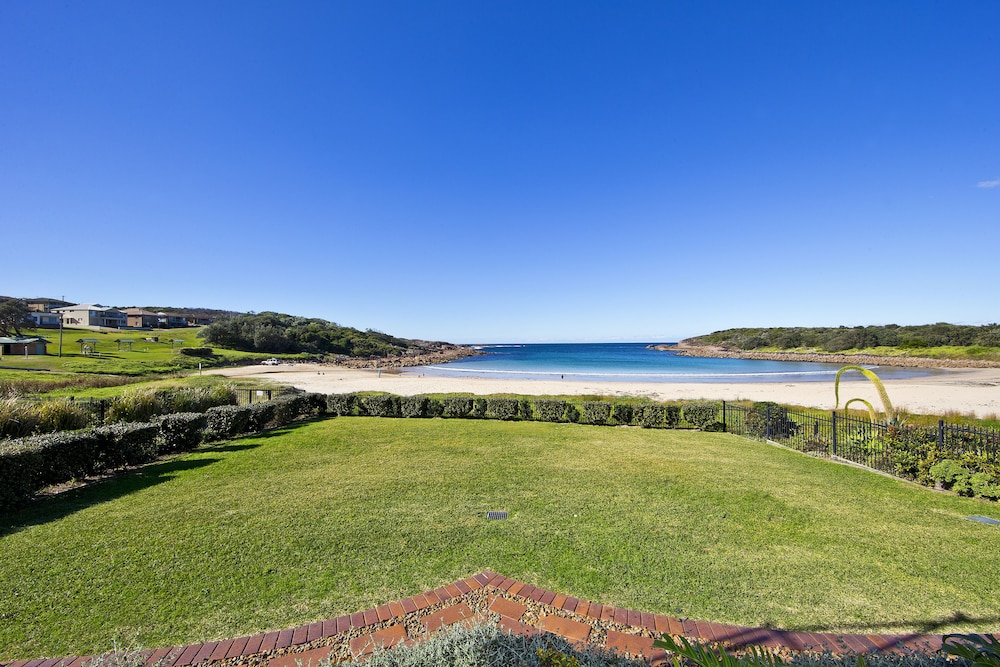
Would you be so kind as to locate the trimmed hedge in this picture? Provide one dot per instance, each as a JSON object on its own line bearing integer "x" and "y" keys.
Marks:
{"x": 596, "y": 412}
{"x": 501, "y": 408}
{"x": 413, "y": 406}
{"x": 701, "y": 414}
{"x": 456, "y": 406}
{"x": 649, "y": 416}
{"x": 341, "y": 405}
{"x": 181, "y": 432}
{"x": 379, "y": 405}
{"x": 623, "y": 413}
{"x": 550, "y": 410}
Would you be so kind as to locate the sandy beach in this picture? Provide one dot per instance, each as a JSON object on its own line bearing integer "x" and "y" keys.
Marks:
{"x": 963, "y": 390}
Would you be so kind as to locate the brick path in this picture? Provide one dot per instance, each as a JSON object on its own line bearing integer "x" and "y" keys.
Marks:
{"x": 516, "y": 607}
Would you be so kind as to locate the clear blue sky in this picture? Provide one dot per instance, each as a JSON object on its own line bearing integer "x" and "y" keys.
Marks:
{"x": 507, "y": 171}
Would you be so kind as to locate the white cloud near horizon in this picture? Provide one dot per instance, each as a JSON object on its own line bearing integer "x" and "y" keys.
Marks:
{"x": 989, "y": 185}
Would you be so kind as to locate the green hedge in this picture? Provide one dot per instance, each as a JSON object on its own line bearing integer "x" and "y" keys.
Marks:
{"x": 182, "y": 432}
{"x": 596, "y": 412}
{"x": 456, "y": 406}
{"x": 549, "y": 410}
{"x": 702, "y": 414}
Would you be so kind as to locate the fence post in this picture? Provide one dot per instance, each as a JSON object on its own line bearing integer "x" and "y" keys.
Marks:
{"x": 834, "y": 422}
{"x": 940, "y": 438}
{"x": 724, "y": 428}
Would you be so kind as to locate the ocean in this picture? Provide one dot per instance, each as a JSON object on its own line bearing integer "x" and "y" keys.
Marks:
{"x": 633, "y": 362}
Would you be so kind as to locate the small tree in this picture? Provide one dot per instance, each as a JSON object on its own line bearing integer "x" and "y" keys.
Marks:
{"x": 14, "y": 316}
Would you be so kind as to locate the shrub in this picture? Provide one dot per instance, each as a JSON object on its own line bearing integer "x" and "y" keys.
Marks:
{"x": 769, "y": 420}
{"x": 501, "y": 408}
{"x": 456, "y": 406}
{"x": 478, "y": 408}
{"x": 701, "y": 414}
{"x": 197, "y": 351}
{"x": 671, "y": 416}
{"x": 549, "y": 410}
{"x": 413, "y": 406}
{"x": 316, "y": 403}
{"x": 182, "y": 431}
{"x": 434, "y": 407}
{"x": 572, "y": 413}
{"x": 227, "y": 421}
{"x": 261, "y": 416}
{"x": 596, "y": 412}
{"x": 341, "y": 405}
{"x": 289, "y": 407}
{"x": 649, "y": 416}
{"x": 524, "y": 408}
{"x": 126, "y": 444}
{"x": 20, "y": 469}
{"x": 623, "y": 413}
{"x": 379, "y": 405}
{"x": 952, "y": 475}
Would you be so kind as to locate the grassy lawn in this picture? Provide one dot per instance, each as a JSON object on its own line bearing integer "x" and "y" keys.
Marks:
{"x": 339, "y": 515}
{"x": 142, "y": 358}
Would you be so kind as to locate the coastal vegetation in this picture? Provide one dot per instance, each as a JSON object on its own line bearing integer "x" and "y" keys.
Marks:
{"x": 346, "y": 513}
{"x": 278, "y": 333}
{"x": 940, "y": 341}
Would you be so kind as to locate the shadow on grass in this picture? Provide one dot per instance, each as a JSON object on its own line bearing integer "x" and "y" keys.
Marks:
{"x": 44, "y": 510}
{"x": 904, "y": 627}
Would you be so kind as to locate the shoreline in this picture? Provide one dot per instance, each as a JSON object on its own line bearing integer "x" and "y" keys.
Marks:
{"x": 974, "y": 391}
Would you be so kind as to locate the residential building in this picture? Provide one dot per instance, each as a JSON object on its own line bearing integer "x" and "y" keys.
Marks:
{"x": 22, "y": 346}
{"x": 92, "y": 315}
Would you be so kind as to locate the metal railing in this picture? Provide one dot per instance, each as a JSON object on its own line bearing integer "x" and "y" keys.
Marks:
{"x": 887, "y": 447}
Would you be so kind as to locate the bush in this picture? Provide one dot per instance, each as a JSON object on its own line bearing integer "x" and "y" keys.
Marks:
{"x": 413, "y": 406}
{"x": 572, "y": 413}
{"x": 456, "y": 406}
{"x": 549, "y": 410}
{"x": 478, "y": 408}
{"x": 20, "y": 471}
{"x": 379, "y": 405}
{"x": 524, "y": 408}
{"x": 596, "y": 412}
{"x": 122, "y": 444}
{"x": 181, "y": 432}
{"x": 701, "y": 414}
{"x": 769, "y": 420}
{"x": 671, "y": 416}
{"x": 623, "y": 413}
{"x": 341, "y": 405}
{"x": 952, "y": 475}
{"x": 261, "y": 416}
{"x": 197, "y": 351}
{"x": 649, "y": 416}
{"x": 227, "y": 421}
{"x": 501, "y": 408}
{"x": 289, "y": 407}
{"x": 434, "y": 407}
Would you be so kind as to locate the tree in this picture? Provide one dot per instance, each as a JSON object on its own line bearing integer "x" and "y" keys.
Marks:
{"x": 14, "y": 315}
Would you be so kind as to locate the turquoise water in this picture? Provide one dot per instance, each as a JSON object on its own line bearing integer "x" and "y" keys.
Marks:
{"x": 632, "y": 362}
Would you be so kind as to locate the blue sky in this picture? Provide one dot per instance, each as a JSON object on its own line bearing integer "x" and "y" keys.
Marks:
{"x": 507, "y": 171}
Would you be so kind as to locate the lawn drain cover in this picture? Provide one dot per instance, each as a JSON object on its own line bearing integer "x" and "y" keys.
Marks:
{"x": 503, "y": 515}
{"x": 984, "y": 519}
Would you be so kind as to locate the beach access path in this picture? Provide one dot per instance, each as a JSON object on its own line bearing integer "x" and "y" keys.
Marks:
{"x": 960, "y": 390}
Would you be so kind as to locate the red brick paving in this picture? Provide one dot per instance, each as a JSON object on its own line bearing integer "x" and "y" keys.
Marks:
{"x": 504, "y": 603}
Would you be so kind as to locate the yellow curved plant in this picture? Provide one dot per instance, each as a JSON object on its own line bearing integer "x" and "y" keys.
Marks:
{"x": 883, "y": 394}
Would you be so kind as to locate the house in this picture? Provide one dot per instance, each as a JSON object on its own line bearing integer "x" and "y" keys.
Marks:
{"x": 43, "y": 305}
{"x": 22, "y": 346}
{"x": 44, "y": 320}
{"x": 92, "y": 315}
{"x": 141, "y": 319}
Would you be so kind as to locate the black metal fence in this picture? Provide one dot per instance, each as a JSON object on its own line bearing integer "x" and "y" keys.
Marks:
{"x": 896, "y": 449}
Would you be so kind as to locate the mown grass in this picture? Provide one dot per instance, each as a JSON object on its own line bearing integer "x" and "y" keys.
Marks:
{"x": 339, "y": 515}
{"x": 144, "y": 357}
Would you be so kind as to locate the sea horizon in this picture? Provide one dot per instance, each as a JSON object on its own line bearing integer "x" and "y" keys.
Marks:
{"x": 636, "y": 362}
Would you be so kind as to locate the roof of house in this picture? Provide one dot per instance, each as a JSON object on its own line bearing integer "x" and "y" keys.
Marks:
{"x": 5, "y": 340}
{"x": 88, "y": 306}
